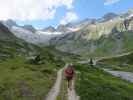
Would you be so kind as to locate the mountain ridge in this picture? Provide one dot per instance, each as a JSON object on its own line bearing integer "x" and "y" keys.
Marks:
{"x": 111, "y": 37}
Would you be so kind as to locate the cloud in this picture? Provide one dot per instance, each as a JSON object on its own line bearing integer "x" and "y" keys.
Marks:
{"x": 109, "y": 2}
{"x": 31, "y": 9}
{"x": 69, "y": 17}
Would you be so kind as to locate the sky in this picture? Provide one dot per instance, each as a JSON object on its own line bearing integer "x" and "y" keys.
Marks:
{"x": 43, "y": 13}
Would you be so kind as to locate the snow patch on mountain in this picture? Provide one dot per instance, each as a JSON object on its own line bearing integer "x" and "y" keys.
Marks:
{"x": 74, "y": 29}
{"x": 36, "y": 38}
{"x": 49, "y": 33}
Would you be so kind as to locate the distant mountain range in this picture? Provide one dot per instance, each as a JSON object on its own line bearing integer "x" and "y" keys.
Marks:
{"x": 110, "y": 34}
{"x": 29, "y": 33}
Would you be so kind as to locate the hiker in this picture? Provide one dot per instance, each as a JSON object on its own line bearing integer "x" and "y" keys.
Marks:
{"x": 69, "y": 74}
{"x": 91, "y": 62}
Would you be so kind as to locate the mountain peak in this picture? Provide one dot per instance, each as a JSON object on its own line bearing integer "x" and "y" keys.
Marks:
{"x": 63, "y": 28}
{"x": 30, "y": 28}
{"x": 9, "y": 23}
{"x": 109, "y": 16}
{"x": 49, "y": 29}
{"x": 5, "y": 33}
{"x": 128, "y": 14}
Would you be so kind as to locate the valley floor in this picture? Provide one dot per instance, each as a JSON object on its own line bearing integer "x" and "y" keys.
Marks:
{"x": 19, "y": 80}
{"x": 95, "y": 84}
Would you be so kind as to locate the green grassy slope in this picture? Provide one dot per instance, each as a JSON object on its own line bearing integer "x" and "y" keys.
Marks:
{"x": 95, "y": 84}
{"x": 21, "y": 80}
{"x": 13, "y": 48}
{"x": 112, "y": 45}
{"x": 65, "y": 56}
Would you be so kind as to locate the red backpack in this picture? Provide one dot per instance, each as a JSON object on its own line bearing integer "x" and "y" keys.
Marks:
{"x": 69, "y": 72}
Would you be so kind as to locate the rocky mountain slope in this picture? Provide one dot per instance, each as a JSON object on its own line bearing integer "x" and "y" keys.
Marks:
{"x": 111, "y": 35}
{"x": 30, "y": 34}
{"x": 12, "y": 46}
{"x": 30, "y": 28}
{"x": 49, "y": 29}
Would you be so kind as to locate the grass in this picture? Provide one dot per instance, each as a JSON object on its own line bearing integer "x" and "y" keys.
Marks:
{"x": 10, "y": 49}
{"x": 20, "y": 80}
{"x": 95, "y": 84}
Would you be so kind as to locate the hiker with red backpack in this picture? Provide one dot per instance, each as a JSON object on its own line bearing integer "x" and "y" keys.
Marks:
{"x": 69, "y": 74}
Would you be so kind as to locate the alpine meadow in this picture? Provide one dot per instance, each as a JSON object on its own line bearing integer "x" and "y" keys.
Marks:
{"x": 66, "y": 50}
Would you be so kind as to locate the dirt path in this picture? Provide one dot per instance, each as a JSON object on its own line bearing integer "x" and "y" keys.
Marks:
{"x": 54, "y": 92}
{"x": 124, "y": 75}
{"x": 71, "y": 93}
{"x": 95, "y": 60}
{"x": 52, "y": 95}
